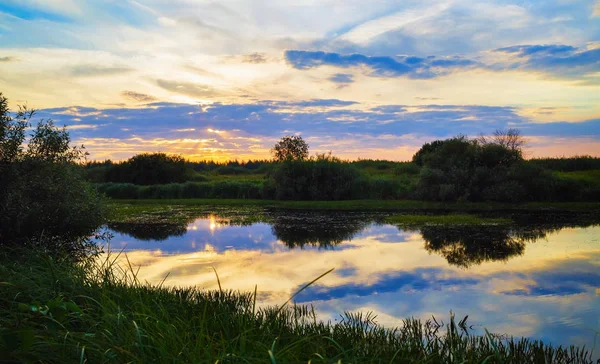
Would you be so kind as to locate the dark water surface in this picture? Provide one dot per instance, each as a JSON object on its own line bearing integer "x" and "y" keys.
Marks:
{"x": 538, "y": 278}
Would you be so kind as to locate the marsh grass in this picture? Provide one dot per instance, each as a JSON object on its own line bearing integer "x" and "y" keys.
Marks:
{"x": 54, "y": 310}
{"x": 181, "y": 210}
{"x": 450, "y": 219}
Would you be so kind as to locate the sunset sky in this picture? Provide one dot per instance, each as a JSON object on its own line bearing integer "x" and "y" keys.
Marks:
{"x": 371, "y": 79}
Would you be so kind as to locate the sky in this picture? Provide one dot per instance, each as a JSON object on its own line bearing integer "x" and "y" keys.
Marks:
{"x": 363, "y": 79}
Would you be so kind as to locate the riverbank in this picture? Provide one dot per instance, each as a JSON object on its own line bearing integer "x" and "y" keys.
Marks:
{"x": 53, "y": 310}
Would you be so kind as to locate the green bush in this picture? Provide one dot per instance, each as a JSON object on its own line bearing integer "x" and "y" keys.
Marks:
{"x": 119, "y": 190}
{"x": 406, "y": 168}
{"x": 382, "y": 189}
{"x": 195, "y": 190}
{"x": 44, "y": 197}
{"x": 231, "y": 170}
{"x": 148, "y": 169}
{"x": 320, "y": 178}
{"x": 578, "y": 163}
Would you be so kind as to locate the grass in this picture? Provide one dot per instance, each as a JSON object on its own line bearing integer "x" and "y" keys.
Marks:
{"x": 590, "y": 176}
{"x": 53, "y": 310}
{"x": 451, "y": 219}
{"x": 177, "y": 210}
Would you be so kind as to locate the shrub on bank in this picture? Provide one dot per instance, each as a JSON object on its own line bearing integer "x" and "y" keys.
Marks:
{"x": 44, "y": 197}
{"x": 323, "y": 177}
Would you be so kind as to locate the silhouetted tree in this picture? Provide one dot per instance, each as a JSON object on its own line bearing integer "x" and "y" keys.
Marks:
{"x": 290, "y": 148}
{"x": 510, "y": 139}
{"x": 43, "y": 194}
{"x": 150, "y": 169}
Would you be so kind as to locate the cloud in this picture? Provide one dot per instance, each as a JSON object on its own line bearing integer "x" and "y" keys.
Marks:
{"x": 188, "y": 89}
{"x": 563, "y": 61}
{"x": 316, "y": 103}
{"x": 596, "y": 12}
{"x": 343, "y": 78}
{"x": 528, "y": 50}
{"x": 31, "y": 10}
{"x": 348, "y": 129}
{"x": 560, "y": 60}
{"x": 96, "y": 71}
{"x": 255, "y": 58}
{"x": 137, "y": 96}
{"x": 386, "y": 67}
{"x": 8, "y": 59}
{"x": 418, "y": 279}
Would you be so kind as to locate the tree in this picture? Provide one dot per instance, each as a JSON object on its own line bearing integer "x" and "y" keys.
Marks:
{"x": 149, "y": 169}
{"x": 290, "y": 148}
{"x": 510, "y": 139}
{"x": 44, "y": 197}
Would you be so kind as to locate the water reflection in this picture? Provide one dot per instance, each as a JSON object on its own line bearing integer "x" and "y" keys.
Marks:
{"x": 320, "y": 230}
{"x": 145, "y": 232}
{"x": 539, "y": 277}
{"x": 468, "y": 245}
{"x": 461, "y": 246}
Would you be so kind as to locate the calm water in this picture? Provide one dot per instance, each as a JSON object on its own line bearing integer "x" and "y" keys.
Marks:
{"x": 539, "y": 278}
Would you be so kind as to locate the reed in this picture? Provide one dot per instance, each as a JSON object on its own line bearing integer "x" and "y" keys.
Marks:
{"x": 54, "y": 310}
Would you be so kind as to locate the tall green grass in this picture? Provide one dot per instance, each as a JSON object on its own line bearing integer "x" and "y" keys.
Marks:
{"x": 224, "y": 189}
{"x": 53, "y": 310}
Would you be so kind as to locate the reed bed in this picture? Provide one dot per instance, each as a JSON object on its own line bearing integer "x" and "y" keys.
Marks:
{"x": 57, "y": 311}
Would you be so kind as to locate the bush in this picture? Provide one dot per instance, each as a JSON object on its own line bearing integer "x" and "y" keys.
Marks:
{"x": 149, "y": 169}
{"x": 382, "y": 189}
{"x": 231, "y": 170}
{"x": 466, "y": 170}
{"x": 578, "y": 163}
{"x": 119, "y": 190}
{"x": 44, "y": 197}
{"x": 407, "y": 168}
{"x": 321, "y": 178}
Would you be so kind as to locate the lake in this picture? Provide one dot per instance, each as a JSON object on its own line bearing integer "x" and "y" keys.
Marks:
{"x": 539, "y": 277}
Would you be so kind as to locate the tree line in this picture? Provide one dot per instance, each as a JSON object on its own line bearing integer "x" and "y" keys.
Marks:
{"x": 455, "y": 169}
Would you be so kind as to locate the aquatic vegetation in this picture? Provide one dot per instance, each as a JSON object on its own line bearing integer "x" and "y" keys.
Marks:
{"x": 451, "y": 219}
{"x": 57, "y": 311}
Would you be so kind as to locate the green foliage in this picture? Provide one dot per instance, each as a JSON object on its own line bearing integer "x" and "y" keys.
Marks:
{"x": 459, "y": 169}
{"x": 578, "y": 163}
{"x": 407, "y": 220}
{"x": 290, "y": 148}
{"x": 323, "y": 177}
{"x": 224, "y": 189}
{"x": 456, "y": 169}
{"x": 410, "y": 168}
{"x": 54, "y": 311}
{"x": 44, "y": 197}
{"x": 149, "y": 169}
{"x": 426, "y": 149}
{"x": 231, "y": 170}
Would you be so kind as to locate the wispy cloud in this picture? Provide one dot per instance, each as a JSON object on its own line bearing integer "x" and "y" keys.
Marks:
{"x": 560, "y": 60}
{"x": 188, "y": 88}
{"x": 97, "y": 71}
{"x": 8, "y": 59}
{"x": 255, "y": 58}
{"x": 409, "y": 66}
{"x": 352, "y": 70}
{"x": 137, "y": 96}
{"x": 342, "y": 78}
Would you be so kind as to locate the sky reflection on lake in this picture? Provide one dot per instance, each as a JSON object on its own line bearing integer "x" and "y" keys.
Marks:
{"x": 537, "y": 282}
